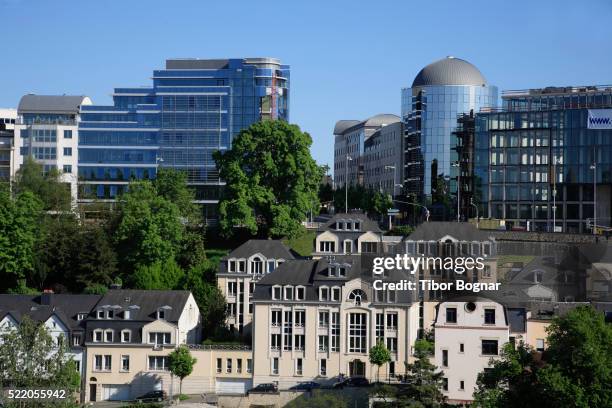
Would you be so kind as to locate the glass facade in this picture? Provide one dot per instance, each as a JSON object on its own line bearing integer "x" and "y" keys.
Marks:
{"x": 534, "y": 148}
{"x": 430, "y": 114}
{"x": 194, "y": 108}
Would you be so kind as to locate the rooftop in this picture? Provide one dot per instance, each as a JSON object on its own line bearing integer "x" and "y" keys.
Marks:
{"x": 449, "y": 71}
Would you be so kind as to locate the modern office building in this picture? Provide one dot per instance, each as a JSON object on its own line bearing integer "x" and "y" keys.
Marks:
{"x": 545, "y": 141}
{"x": 194, "y": 108}
{"x": 8, "y": 117}
{"x": 48, "y": 132}
{"x": 439, "y": 93}
{"x": 350, "y": 137}
{"x": 383, "y": 159}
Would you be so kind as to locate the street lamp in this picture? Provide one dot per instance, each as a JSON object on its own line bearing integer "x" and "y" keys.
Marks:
{"x": 594, "y": 168}
{"x": 458, "y": 165}
{"x": 416, "y": 205}
{"x": 389, "y": 168}
{"x": 348, "y": 158}
{"x": 476, "y": 207}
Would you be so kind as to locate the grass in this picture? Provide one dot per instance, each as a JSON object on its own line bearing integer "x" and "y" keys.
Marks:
{"x": 302, "y": 244}
{"x": 183, "y": 397}
{"x": 214, "y": 255}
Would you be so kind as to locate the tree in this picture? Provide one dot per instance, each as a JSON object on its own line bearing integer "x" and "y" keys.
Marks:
{"x": 272, "y": 181}
{"x": 181, "y": 364}
{"x": 158, "y": 276}
{"x": 96, "y": 260}
{"x": 171, "y": 184}
{"x": 575, "y": 370}
{"x": 18, "y": 230}
{"x": 149, "y": 227}
{"x": 31, "y": 358}
{"x": 201, "y": 281}
{"x": 379, "y": 355}
{"x": 423, "y": 381}
{"x": 54, "y": 194}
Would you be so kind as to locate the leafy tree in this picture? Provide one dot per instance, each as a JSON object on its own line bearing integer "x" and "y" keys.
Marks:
{"x": 157, "y": 276}
{"x": 181, "y": 364}
{"x": 30, "y": 358}
{"x": 272, "y": 181}
{"x": 54, "y": 194}
{"x": 201, "y": 281}
{"x": 18, "y": 230}
{"x": 575, "y": 370}
{"x": 191, "y": 252}
{"x": 96, "y": 260}
{"x": 171, "y": 184}
{"x": 149, "y": 227}
{"x": 423, "y": 381}
{"x": 379, "y": 355}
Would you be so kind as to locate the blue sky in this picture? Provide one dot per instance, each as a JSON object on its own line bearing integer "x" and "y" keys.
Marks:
{"x": 349, "y": 59}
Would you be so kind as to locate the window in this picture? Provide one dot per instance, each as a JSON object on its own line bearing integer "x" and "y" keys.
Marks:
{"x": 335, "y": 294}
{"x": 249, "y": 365}
{"x": 391, "y": 321}
{"x": 357, "y": 332}
{"x": 486, "y": 272}
{"x": 159, "y": 338}
{"x": 489, "y": 347}
{"x": 288, "y": 293}
{"x": 540, "y": 344}
{"x": 161, "y": 314}
{"x": 257, "y": 266}
{"x": 67, "y": 134}
{"x": 126, "y": 315}
{"x": 231, "y": 309}
{"x": 323, "y": 319}
{"x": 228, "y": 365}
{"x": 323, "y": 367}
{"x": 76, "y": 340}
{"x": 275, "y": 366}
{"x": 300, "y": 293}
{"x": 445, "y": 384}
{"x": 238, "y": 365}
{"x": 102, "y": 362}
{"x": 125, "y": 363}
{"x": 110, "y": 314}
{"x": 348, "y": 247}
{"x": 462, "y": 385}
{"x": 231, "y": 288}
{"x": 298, "y": 366}
{"x": 323, "y": 293}
{"x": 67, "y": 168}
{"x": 300, "y": 318}
{"x": 444, "y": 358}
{"x": 219, "y": 365}
{"x": 391, "y": 296}
{"x": 369, "y": 247}
{"x": 158, "y": 363}
{"x": 327, "y": 246}
{"x": 126, "y": 336}
{"x": 392, "y": 344}
{"x": 97, "y": 336}
{"x": 335, "y": 331}
{"x": 276, "y": 318}
{"x": 380, "y": 327}
{"x": 287, "y": 330}
{"x": 275, "y": 341}
{"x": 81, "y": 316}
{"x": 271, "y": 266}
{"x": 231, "y": 266}
{"x": 300, "y": 340}
{"x": 108, "y": 336}
{"x": 357, "y": 296}
{"x": 461, "y": 348}
{"x": 242, "y": 266}
{"x": 276, "y": 292}
{"x": 99, "y": 314}
{"x": 67, "y": 151}
{"x": 451, "y": 315}
{"x": 489, "y": 316}
{"x": 323, "y": 343}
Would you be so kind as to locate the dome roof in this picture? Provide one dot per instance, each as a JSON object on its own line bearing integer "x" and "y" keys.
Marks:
{"x": 449, "y": 71}
{"x": 382, "y": 119}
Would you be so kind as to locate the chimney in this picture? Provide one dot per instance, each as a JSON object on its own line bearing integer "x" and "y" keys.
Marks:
{"x": 46, "y": 296}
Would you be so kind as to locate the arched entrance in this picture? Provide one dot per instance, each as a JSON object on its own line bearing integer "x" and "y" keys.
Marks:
{"x": 357, "y": 368}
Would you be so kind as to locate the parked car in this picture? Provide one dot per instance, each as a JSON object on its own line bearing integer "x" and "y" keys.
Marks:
{"x": 351, "y": 382}
{"x": 305, "y": 386}
{"x": 264, "y": 388}
{"x": 153, "y": 396}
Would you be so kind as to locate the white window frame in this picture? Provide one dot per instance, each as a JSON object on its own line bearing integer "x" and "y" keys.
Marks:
{"x": 297, "y": 292}
{"x": 299, "y": 366}
{"x": 96, "y": 333}
{"x": 112, "y": 335}
{"x": 125, "y": 357}
{"x": 274, "y": 365}
{"x": 321, "y": 296}
{"x": 336, "y": 293}
{"x": 129, "y": 336}
{"x": 285, "y": 292}
{"x": 274, "y": 295}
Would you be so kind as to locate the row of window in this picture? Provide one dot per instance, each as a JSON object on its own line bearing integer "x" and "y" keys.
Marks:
{"x": 107, "y": 336}
{"x": 299, "y": 366}
{"x": 257, "y": 266}
{"x": 103, "y": 362}
{"x": 289, "y": 292}
{"x": 229, "y": 365}
{"x": 330, "y": 247}
{"x": 451, "y": 314}
{"x": 107, "y": 313}
{"x": 450, "y": 248}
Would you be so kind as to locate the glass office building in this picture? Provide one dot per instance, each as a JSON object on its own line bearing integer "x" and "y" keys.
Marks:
{"x": 194, "y": 108}
{"x": 440, "y": 92}
{"x": 540, "y": 143}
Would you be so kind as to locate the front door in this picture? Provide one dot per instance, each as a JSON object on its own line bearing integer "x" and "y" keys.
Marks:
{"x": 357, "y": 368}
{"x": 92, "y": 392}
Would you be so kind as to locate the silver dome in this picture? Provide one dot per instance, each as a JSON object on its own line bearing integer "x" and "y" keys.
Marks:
{"x": 449, "y": 71}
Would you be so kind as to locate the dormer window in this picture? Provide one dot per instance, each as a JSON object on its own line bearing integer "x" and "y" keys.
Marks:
{"x": 99, "y": 314}
{"x": 126, "y": 315}
{"x": 357, "y": 296}
{"x": 300, "y": 293}
{"x": 288, "y": 293}
{"x": 323, "y": 293}
{"x": 335, "y": 294}
{"x": 162, "y": 312}
{"x": 97, "y": 336}
{"x": 126, "y": 336}
{"x": 327, "y": 246}
{"x": 357, "y": 226}
{"x": 242, "y": 266}
{"x": 276, "y": 292}
{"x": 110, "y": 314}
{"x": 271, "y": 266}
{"x": 231, "y": 266}
{"x": 342, "y": 271}
{"x": 81, "y": 316}
{"x": 108, "y": 336}
{"x": 257, "y": 266}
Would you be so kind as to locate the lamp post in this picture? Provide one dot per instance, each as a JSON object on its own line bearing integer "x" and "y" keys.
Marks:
{"x": 389, "y": 168}
{"x": 416, "y": 205}
{"x": 476, "y": 207}
{"x": 348, "y": 158}
{"x": 594, "y": 168}
{"x": 457, "y": 164}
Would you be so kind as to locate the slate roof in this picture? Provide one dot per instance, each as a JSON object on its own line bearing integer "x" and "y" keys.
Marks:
{"x": 366, "y": 223}
{"x": 269, "y": 248}
{"x": 435, "y": 230}
{"x": 52, "y": 103}
{"x": 143, "y": 304}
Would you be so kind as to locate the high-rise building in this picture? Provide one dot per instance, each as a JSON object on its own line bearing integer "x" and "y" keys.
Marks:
{"x": 48, "y": 132}
{"x": 549, "y": 147}
{"x": 8, "y": 117}
{"x": 439, "y": 93}
{"x": 350, "y": 140}
{"x": 194, "y": 108}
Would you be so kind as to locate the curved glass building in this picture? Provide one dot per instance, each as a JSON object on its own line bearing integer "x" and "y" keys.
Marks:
{"x": 440, "y": 92}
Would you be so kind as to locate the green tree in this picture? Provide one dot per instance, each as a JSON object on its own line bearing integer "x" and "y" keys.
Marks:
{"x": 172, "y": 185}
{"x": 96, "y": 260}
{"x": 54, "y": 194}
{"x": 19, "y": 219}
{"x": 575, "y": 370}
{"x": 379, "y": 355}
{"x": 191, "y": 252}
{"x": 272, "y": 181}
{"x": 149, "y": 227}
{"x": 158, "y": 276}
{"x": 31, "y": 358}
{"x": 181, "y": 363}
{"x": 423, "y": 381}
{"x": 201, "y": 281}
